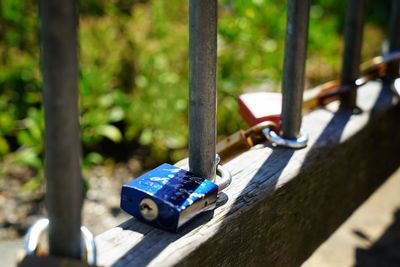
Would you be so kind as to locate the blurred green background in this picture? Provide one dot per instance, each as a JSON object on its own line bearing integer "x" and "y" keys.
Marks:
{"x": 134, "y": 72}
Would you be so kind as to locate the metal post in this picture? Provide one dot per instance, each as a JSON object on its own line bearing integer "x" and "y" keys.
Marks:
{"x": 353, "y": 33}
{"x": 294, "y": 67}
{"x": 202, "y": 86}
{"x": 394, "y": 35}
{"x": 59, "y": 20}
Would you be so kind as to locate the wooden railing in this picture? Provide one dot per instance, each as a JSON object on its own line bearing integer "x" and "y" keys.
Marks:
{"x": 282, "y": 203}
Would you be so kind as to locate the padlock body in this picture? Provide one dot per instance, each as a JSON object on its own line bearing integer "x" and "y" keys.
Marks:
{"x": 260, "y": 106}
{"x": 167, "y": 197}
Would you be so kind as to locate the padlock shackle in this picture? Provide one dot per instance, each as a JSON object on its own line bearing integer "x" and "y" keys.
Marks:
{"x": 224, "y": 179}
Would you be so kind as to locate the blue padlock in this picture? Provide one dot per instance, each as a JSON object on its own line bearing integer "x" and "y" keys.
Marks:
{"x": 167, "y": 197}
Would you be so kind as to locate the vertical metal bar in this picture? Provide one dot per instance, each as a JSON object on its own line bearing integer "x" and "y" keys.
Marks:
{"x": 294, "y": 66}
{"x": 59, "y": 20}
{"x": 394, "y": 35}
{"x": 202, "y": 86}
{"x": 353, "y": 33}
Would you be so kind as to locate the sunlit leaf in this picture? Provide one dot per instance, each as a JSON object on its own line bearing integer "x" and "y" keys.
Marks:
{"x": 28, "y": 157}
{"x": 94, "y": 158}
{"x": 4, "y": 147}
{"x": 110, "y": 131}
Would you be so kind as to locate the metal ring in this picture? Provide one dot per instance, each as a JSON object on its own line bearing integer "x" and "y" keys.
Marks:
{"x": 278, "y": 140}
{"x": 38, "y": 228}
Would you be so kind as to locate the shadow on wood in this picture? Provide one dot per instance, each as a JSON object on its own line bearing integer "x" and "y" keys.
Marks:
{"x": 384, "y": 252}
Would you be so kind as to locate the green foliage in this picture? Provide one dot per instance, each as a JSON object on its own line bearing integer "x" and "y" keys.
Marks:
{"x": 134, "y": 70}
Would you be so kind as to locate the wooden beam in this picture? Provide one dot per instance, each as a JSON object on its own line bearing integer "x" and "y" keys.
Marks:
{"x": 282, "y": 203}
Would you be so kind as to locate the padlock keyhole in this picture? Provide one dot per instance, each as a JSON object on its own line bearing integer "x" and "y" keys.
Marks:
{"x": 148, "y": 209}
{"x": 144, "y": 206}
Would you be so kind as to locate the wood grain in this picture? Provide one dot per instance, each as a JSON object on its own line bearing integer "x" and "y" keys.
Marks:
{"x": 282, "y": 203}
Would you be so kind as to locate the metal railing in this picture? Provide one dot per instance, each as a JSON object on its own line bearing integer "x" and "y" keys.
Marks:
{"x": 59, "y": 21}
{"x": 353, "y": 33}
{"x": 294, "y": 67}
{"x": 202, "y": 87}
{"x": 394, "y": 35}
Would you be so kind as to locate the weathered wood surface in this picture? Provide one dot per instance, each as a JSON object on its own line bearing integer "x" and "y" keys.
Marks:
{"x": 282, "y": 203}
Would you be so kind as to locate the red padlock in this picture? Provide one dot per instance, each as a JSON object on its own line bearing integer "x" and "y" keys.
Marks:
{"x": 261, "y": 106}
